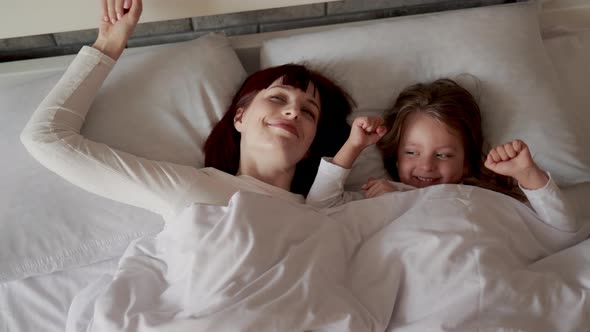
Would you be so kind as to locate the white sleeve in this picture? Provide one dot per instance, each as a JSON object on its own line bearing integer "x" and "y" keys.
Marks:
{"x": 328, "y": 187}
{"x": 552, "y": 206}
{"x": 52, "y": 136}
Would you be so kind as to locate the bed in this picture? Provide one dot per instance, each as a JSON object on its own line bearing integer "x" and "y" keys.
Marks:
{"x": 56, "y": 239}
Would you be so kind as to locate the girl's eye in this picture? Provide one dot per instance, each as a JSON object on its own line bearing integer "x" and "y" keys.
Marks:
{"x": 411, "y": 153}
{"x": 443, "y": 155}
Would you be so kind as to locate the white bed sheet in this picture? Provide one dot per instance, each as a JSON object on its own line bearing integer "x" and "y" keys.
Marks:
{"x": 41, "y": 303}
{"x": 31, "y": 185}
{"x": 441, "y": 256}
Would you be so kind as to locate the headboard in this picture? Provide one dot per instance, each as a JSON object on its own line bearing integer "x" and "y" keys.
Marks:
{"x": 34, "y": 17}
{"x": 565, "y": 14}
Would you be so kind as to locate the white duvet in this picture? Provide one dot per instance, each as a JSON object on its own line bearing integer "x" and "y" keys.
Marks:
{"x": 446, "y": 258}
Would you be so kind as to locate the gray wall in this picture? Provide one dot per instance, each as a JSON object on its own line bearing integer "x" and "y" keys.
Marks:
{"x": 234, "y": 24}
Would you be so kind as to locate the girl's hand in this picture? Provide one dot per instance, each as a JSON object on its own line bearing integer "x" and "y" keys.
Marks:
{"x": 377, "y": 187}
{"x": 514, "y": 159}
{"x": 365, "y": 131}
{"x": 118, "y": 20}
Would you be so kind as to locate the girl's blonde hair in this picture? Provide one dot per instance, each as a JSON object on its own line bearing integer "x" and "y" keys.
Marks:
{"x": 452, "y": 105}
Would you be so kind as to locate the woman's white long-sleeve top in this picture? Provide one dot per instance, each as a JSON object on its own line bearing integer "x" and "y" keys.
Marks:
{"x": 52, "y": 136}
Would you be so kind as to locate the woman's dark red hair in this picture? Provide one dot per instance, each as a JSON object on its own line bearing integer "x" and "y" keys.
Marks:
{"x": 222, "y": 148}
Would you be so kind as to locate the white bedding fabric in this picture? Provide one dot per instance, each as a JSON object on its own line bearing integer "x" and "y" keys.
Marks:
{"x": 46, "y": 223}
{"x": 50, "y": 225}
{"x": 448, "y": 257}
{"x": 41, "y": 303}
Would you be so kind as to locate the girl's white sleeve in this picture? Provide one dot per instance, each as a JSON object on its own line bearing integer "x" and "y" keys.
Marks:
{"x": 52, "y": 136}
{"x": 552, "y": 207}
{"x": 328, "y": 187}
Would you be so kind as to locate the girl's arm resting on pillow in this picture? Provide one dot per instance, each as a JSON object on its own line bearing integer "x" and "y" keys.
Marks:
{"x": 52, "y": 136}
{"x": 328, "y": 187}
{"x": 552, "y": 206}
{"x": 514, "y": 159}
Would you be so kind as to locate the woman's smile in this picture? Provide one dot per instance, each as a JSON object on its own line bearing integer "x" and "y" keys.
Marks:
{"x": 286, "y": 126}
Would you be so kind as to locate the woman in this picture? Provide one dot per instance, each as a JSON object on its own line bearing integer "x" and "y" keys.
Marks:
{"x": 280, "y": 123}
{"x": 270, "y": 141}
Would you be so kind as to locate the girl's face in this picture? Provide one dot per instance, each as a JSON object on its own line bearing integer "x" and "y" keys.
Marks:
{"x": 280, "y": 122}
{"x": 429, "y": 152}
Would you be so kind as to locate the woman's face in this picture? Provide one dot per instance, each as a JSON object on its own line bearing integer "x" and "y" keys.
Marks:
{"x": 429, "y": 152}
{"x": 280, "y": 123}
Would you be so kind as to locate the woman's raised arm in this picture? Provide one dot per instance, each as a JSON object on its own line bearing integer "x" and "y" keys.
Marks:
{"x": 118, "y": 20}
{"x": 52, "y": 135}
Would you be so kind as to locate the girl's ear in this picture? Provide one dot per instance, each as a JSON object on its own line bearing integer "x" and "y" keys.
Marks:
{"x": 238, "y": 119}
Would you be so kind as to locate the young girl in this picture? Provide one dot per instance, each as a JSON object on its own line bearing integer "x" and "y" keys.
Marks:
{"x": 436, "y": 138}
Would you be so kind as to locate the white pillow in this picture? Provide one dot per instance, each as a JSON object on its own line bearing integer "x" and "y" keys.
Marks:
{"x": 569, "y": 53}
{"x": 501, "y": 45}
{"x": 563, "y": 17}
{"x": 162, "y": 104}
{"x": 159, "y": 103}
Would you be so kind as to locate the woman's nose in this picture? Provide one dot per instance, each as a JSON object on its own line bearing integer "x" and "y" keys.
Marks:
{"x": 291, "y": 111}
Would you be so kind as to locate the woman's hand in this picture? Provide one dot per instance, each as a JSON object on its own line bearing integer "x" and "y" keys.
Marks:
{"x": 118, "y": 20}
{"x": 377, "y": 187}
{"x": 514, "y": 159}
